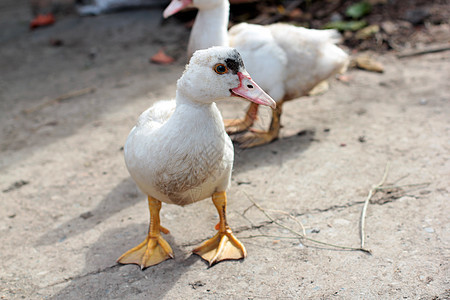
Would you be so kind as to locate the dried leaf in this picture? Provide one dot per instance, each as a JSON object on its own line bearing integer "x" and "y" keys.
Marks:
{"x": 389, "y": 27}
{"x": 367, "y": 63}
{"x": 295, "y": 13}
{"x": 367, "y": 32}
{"x": 344, "y": 78}
{"x": 161, "y": 58}
{"x": 321, "y": 88}
{"x": 42, "y": 20}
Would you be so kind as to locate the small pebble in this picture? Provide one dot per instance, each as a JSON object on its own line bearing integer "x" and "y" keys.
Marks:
{"x": 55, "y": 42}
{"x": 92, "y": 53}
{"x": 429, "y": 229}
{"x": 243, "y": 182}
{"x": 423, "y": 101}
{"x": 86, "y": 215}
{"x": 335, "y": 17}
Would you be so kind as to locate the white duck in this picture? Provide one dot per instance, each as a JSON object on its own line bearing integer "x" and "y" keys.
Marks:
{"x": 179, "y": 152}
{"x": 295, "y": 59}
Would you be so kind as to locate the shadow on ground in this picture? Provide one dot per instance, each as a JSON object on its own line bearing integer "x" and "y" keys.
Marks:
{"x": 283, "y": 149}
{"x": 99, "y": 282}
{"x": 122, "y": 196}
{"x": 107, "y": 54}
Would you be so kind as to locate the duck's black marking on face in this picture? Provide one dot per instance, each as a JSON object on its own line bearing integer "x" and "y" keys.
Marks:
{"x": 234, "y": 62}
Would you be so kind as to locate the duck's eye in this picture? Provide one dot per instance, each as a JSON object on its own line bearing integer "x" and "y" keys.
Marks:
{"x": 220, "y": 69}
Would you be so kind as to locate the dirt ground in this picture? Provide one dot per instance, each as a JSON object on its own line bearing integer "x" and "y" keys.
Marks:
{"x": 69, "y": 209}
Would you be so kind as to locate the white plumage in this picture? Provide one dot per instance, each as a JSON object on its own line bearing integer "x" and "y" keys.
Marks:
{"x": 180, "y": 155}
{"x": 263, "y": 55}
{"x": 310, "y": 55}
{"x": 179, "y": 152}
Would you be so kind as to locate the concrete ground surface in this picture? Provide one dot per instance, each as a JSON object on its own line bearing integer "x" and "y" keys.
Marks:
{"x": 69, "y": 209}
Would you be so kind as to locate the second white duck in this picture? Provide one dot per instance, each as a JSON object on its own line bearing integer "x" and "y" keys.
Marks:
{"x": 295, "y": 59}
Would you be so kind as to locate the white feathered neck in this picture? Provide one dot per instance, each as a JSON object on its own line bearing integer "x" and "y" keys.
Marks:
{"x": 210, "y": 27}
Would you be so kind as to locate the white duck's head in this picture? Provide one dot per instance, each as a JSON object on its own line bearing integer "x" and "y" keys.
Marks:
{"x": 177, "y": 5}
{"x": 218, "y": 73}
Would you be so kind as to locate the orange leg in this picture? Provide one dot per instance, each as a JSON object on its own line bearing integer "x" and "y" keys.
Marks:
{"x": 154, "y": 249}
{"x": 237, "y": 125}
{"x": 224, "y": 245}
{"x": 255, "y": 137}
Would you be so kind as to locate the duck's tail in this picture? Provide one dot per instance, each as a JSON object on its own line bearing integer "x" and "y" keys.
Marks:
{"x": 331, "y": 35}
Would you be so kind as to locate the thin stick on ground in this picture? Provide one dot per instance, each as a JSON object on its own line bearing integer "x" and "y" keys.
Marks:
{"x": 291, "y": 217}
{"x": 387, "y": 187}
{"x": 60, "y": 98}
{"x": 298, "y": 234}
{"x": 372, "y": 191}
{"x": 379, "y": 187}
{"x": 424, "y": 51}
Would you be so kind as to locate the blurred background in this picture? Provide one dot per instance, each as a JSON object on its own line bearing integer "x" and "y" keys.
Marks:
{"x": 74, "y": 77}
{"x": 369, "y": 24}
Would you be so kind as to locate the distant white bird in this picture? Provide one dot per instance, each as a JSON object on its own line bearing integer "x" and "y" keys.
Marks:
{"x": 285, "y": 60}
{"x": 179, "y": 152}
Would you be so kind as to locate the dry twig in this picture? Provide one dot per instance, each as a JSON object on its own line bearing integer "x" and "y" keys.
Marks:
{"x": 387, "y": 187}
{"x": 292, "y": 218}
{"x": 298, "y": 234}
{"x": 60, "y": 98}
{"x": 372, "y": 191}
{"x": 424, "y": 51}
{"x": 379, "y": 187}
